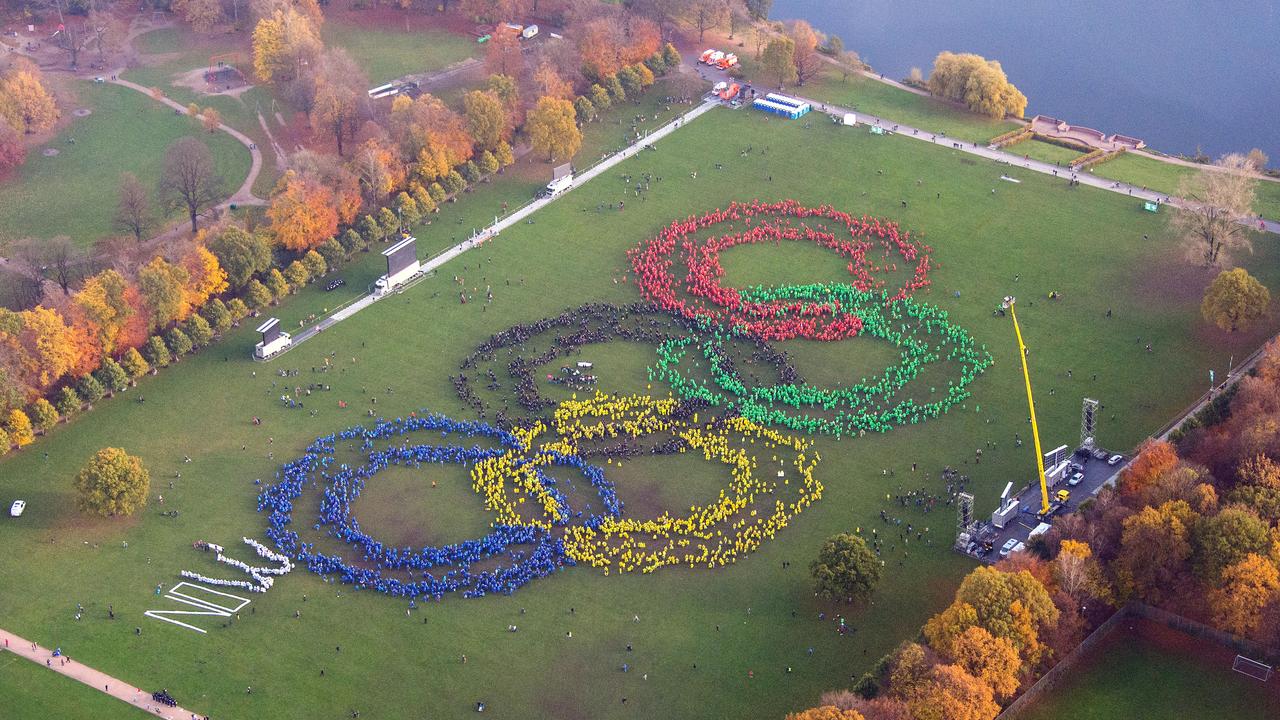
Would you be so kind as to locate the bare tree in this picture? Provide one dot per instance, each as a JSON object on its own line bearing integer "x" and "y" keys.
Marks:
{"x": 1221, "y": 199}
{"x": 28, "y": 261}
{"x": 133, "y": 212}
{"x": 806, "y": 59}
{"x": 189, "y": 179}
{"x": 107, "y": 33}
{"x": 65, "y": 261}
{"x": 708, "y": 15}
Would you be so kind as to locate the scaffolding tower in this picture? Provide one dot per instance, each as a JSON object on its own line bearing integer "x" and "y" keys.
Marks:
{"x": 1088, "y": 421}
{"x": 966, "y": 528}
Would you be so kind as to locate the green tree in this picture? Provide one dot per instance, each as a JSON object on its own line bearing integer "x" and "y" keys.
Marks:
{"x": 371, "y": 230}
{"x": 276, "y": 284}
{"x": 584, "y": 109}
{"x": 407, "y": 209}
{"x": 437, "y": 192}
{"x": 238, "y": 309}
{"x": 156, "y": 353}
{"x": 296, "y": 275}
{"x": 846, "y": 569}
{"x": 89, "y": 388}
{"x": 353, "y": 241}
{"x": 488, "y": 165}
{"x": 19, "y": 427}
{"x": 1234, "y": 300}
{"x": 256, "y": 295}
{"x": 218, "y": 316}
{"x": 1225, "y": 539}
{"x": 242, "y": 255}
{"x": 315, "y": 264}
{"x": 671, "y": 56}
{"x": 112, "y": 483}
{"x": 198, "y": 330}
{"x": 163, "y": 285}
{"x": 486, "y": 117}
{"x": 44, "y": 415}
{"x": 68, "y": 403}
{"x": 471, "y": 172}
{"x": 112, "y": 376}
{"x": 5, "y": 443}
{"x": 616, "y": 92}
{"x": 390, "y": 223}
{"x": 134, "y": 364}
{"x": 779, "y": 60}
{"x": 454, "y": 183}
{"x": 178, "y": 342}
{"x": 332, "y": 252}
{"x": 599, "y": 98}
{"x": 630, "y": 81}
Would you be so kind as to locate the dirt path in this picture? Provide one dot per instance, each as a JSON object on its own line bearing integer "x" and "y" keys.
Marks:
{"x": 100, "y": 681}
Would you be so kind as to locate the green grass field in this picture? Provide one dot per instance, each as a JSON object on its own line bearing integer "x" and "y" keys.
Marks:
{"x": 386, "y": 54}
{"x": 870, "y": 96}
{"x": 1148, "y": 172}
{"x": 1044, "y": 152}
{"x": 755, "y": 616}
{"x": 24, "y": 684}
{"x": 1157, "y": 674}
{"x": 74, "y": 193}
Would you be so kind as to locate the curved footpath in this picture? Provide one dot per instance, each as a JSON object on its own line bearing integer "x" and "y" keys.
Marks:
{"x": 99, "y": 681}
{"x": 244, "y": 195}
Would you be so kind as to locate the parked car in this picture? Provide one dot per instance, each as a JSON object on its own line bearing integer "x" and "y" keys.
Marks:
{"x": 1075, "y": 479}
{"x": 1008, "y": 547}
{"x": 17, "y": 507}
{"x": 719, "y": 87}
{"x": 1115, "y": 460}
{"x": 335, "y": 284}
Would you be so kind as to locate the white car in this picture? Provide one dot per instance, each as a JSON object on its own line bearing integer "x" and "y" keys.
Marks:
{"x": 1115, "y": 460}
{"x": 1075, "y": 479}
{"x": 719, "y": 87}
{"x": 17, "y": 507}
{"x": 1009, "y": 546}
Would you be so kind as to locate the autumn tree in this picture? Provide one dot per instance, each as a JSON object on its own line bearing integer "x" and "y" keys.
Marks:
{"x": 1154, "y": 458}
{"x": 302, "y": 213}
{"x": 1077, "y": 572}
{"x": 339, "y": 95}
{"x": 427, "y": 131}
{"x": 778, "y": 60}
{"x": 707, "y": 15}
{"x": 1014, "y": 605}
{"x": 548, "y": 83}
{"x": 502, "y": 56}
{"x": 189, "y": 178}
{"x": 43, "y": 415}
{"x": 1154, "y": 548}
{"x": 953, "y": 694}
{"x": 1247, "y": 586}
{"x": 134, "y": 364}
{"x": 1257, "y": 160}
{"x": 202, "y": 14}
{"x": 486, "y": 118}
{"x": 1220, "y": 198}
{"x": 18, "y": 426}
{"x": 163, "y": 286}
{"x": 210, "y": 119}
{"x": 908, "y": 670}
{"x": 24, "y": 102}
{"x": 112, "y": 483}
{"x": 1234, "y": 300}
{"x": 826, "y": 712}
{"x": 977, "y": 83}
{"x": 283, "y": 44}
{"x": 846, "y": 569}
{"x": 240, "y": 254}
{"x": 12, "y": 150}
{"x": 990, "y": 659}
{"x": 133, "y": 210}
{"x": 805, "y": 56}
{"x": 553, "y": 129}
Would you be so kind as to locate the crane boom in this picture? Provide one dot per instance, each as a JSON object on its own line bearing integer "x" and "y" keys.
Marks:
{"x": 1031, "y": 407}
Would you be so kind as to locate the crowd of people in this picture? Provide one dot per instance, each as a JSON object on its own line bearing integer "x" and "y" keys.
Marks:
{"x": 701, "y": 296}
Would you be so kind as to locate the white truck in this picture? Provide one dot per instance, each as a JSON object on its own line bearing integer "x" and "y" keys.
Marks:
{"x": 528, "y": 32}
{"x": 558, "y": 186}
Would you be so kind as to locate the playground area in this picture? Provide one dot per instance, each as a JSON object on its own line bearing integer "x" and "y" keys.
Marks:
{"x": 222, "y": 76}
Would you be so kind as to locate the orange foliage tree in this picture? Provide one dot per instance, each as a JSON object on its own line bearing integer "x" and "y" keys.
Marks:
{"x": 1155, "y": 458}
{"x": 1247, "y": 587}
{"x": 302, "y": 213}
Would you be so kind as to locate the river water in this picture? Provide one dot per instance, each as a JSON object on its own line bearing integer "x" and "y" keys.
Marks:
{"x": 1178, "y": 74}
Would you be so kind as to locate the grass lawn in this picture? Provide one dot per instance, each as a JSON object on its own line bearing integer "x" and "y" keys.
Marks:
{"x": 386, "y": 54}
{"x": 755, "y": 616}
{"x": 31, "y": 692}
{"x": 886, "y": 101}
{"x": 1145, "y": 171}
{"x": 1044, "y": 152}
{"x": 1156, "y": 673}
{"x": 74, "y": 193}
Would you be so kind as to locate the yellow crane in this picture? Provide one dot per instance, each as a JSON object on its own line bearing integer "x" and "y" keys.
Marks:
{"x": 1031, "y": 406}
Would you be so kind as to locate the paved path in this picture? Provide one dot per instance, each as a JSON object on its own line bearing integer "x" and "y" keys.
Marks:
{"x": 99, "y": 681}
{"x": 509, "y": 221}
